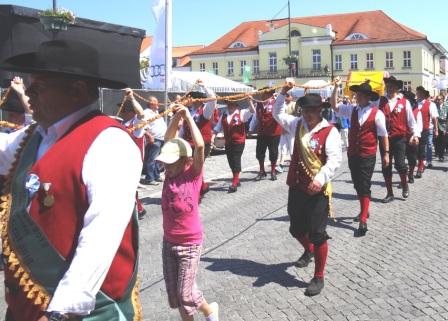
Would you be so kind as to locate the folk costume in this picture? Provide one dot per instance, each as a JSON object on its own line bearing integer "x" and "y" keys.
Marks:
{"x": 316, "y": 156}
{"x": 399, "y": 121}
{"x": 268, "y": 136}
{"x": 367, "y": 125}
{"x": 68, "y": 248}
{"x": 234, "y": 127}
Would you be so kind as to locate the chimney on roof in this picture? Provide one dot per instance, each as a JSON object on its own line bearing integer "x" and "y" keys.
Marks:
{"x": 330, "y": 32}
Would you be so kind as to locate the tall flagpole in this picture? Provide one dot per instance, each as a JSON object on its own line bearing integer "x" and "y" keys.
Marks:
{"x": 167, "y": 10}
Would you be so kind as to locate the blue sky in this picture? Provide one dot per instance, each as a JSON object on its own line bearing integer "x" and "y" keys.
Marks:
{"x": 203, "y": 21}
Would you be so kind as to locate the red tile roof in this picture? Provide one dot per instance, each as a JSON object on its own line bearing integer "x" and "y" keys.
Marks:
{"x": 376, "y": 25}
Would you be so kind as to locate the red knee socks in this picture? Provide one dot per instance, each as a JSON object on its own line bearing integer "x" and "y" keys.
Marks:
{"x": 404, "y": 180}
{"x": 273, "y": 166}
{"x": 320, "y": 258}
{"x": 139, "y": 205}
{"x": 305, "y": 241}
{"x": 261, "y": 162}
{"x": 236, "y": 178}
{"x": 388, "y": 180}
{"x": 421, "y": 165}
{"x": 365, "y": 203}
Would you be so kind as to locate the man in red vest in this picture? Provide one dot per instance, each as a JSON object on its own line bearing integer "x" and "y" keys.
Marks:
{"x": 268, "y": 133}
{"x": 367, "y": 124}
{"x": 202, "y": 114}
{"x": 315, "y": 158}
{"x": 70, "y": 239}
{"x": 399, "y": 121}
{"x": 429, "y": 114}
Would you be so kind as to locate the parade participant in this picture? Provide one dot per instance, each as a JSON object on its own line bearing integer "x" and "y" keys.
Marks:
{"x": 411, "y": 149}
{"x": 268, "y": 133}
{"x": 441, "y": 141}
{"x": 155, "y": 133}
{"x": 430, "y": 129}
{"x": 233, "y": 123}
{"x": 368, "y": 124}
{"x": 399, "y": 120}
{"x": 183, "y": 232}
{"x": 202, "y": 115}
{"x": 71, "y": 251}
{"x": 316, "y": 156}
{"x": 286, "y": 139}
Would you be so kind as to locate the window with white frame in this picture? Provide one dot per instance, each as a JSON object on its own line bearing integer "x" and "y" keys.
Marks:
{"x": 202, "y": 66}
{"x": 338, "y": 62}
{"x": 242, "y": 64}
{"x": 407, "y": 85}
{"x": 353, "y": 61}
{"x": 229, "y": 68}
{"x": 272, "y": 62}
{"x": 369, "y": 61}
{"x": 389, "y": 59}
{"x": 256, "y": 66}
{"x": 406, "y": 59}
{"x": 316, "y": 59}
{"x": 215, "y": 67}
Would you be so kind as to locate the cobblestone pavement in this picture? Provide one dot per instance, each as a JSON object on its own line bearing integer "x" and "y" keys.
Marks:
{"x": 398, "y": 271}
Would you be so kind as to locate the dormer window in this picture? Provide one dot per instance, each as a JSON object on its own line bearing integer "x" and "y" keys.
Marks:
{"x": 238, "y": 44}
{"x": 356, "y": 36}
{"x": 295, "y": 33}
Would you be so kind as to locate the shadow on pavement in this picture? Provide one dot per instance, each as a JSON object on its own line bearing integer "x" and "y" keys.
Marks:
{"x": 151, "y": 201}
{"x": 265, "y": 273}
{"x": 343, "y": 222}
{"x": 278, "y": 219}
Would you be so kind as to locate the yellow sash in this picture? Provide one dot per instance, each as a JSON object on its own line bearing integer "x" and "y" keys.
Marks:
{"x": 311, "y": 163}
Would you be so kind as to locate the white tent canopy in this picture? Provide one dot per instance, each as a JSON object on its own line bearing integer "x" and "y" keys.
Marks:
{"x": 324, "y": 92}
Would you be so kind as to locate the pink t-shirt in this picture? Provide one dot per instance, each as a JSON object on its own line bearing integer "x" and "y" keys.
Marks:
{"x": 180, "y": 208}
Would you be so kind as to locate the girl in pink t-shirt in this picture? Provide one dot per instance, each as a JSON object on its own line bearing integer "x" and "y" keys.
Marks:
{"x": 182, "y": 227}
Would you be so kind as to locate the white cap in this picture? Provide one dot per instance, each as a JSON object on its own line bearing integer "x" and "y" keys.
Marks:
{"x": 174, "y": 149}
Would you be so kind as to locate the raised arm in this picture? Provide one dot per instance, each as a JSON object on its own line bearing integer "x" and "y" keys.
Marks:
{"x": 138, "y": 109}
{"x": 288, "y": 122}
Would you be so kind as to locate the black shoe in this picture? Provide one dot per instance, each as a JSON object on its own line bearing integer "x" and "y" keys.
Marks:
{"x": 141, "y": 214}
{"x": 441, "y": 159}
{"x": 418, "y": 175}
{"x": 405, "y": 193}
{"x": 315, "y": 287}
{"x": 304, "y": 260}
{"x": 356, "y": 218}
{"x": 429, "y": 165}
{"x": 411, "y": 179}
{"x": 273, "y": 177}
{"x": 388, "y": 198}
{"x": 260, "y": 176}
{"x": 232, "y": 189}
{"x": 362, "y": 229}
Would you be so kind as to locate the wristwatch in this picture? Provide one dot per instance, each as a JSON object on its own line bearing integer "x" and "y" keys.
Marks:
{"x": 55, "y": 316}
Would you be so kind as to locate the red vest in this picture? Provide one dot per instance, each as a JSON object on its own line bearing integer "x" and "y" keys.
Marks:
{"x": 235, "y": 132}
{"x": 426, "y": 114}
{"x": 267, "y": 125}
{"x": 204, "y": 125}
{"x": 396, "y": 120}
{"x": 362, "y": 139}
{"x": 296, "y": 174}
{"x": 62, "y": 223}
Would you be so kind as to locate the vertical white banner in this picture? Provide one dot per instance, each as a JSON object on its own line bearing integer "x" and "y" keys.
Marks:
{"x": 161, "y": 48}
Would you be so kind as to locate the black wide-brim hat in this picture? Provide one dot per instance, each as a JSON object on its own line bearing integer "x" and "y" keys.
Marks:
{"x": 312, "y": 101}
{"x": 66, "y": 58}
{"x": 423, "y": 90}
{"x": 394, "y": 81}
{"x": 366, "y": 89}
{"x": 197, "y": 95}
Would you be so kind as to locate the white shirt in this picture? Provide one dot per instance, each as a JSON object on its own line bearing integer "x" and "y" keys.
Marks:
{"x": 393, "y": 103}
{"x": 333, "y": 147}
{"x": 156, "y": 128}
{"x": 419, "y": 121}
{"x": 105, "y": 221}
{"x": 244, "y": 116}
{"x": 432, "y": 111}
{"x": 363, "y": 114}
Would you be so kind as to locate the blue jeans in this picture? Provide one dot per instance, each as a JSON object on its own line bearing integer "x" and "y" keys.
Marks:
{"x": 151, "y": 153}
{"x": 429, "y": 146}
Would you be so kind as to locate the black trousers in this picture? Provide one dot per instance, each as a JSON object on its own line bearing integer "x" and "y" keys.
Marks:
{"x": 267, "y": 142}
{"x": 234, "y": 153}
{"x": 397, "y": 153}
{"x": 441, "y": 141}
{"x": 207, "y": 149}
{"x": 308, "y": 215}
{"x": 423, "y": 141}
{"x": 361, "y": 169}
{"x": 411, "y": 155}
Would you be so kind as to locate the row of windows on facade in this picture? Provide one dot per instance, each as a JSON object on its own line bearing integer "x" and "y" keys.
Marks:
{"x": 316, "y": 62}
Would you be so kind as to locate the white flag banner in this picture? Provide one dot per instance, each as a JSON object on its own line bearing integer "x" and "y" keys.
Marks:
{"x": 162, "y": 40}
